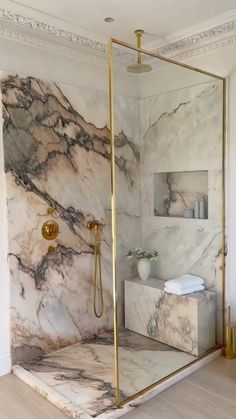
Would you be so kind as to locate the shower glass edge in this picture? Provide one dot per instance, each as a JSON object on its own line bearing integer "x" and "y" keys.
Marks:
{"x": 119, "y": 401}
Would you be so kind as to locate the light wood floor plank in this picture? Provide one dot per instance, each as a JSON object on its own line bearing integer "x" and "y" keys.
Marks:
{"x": 209, "y": 393}
{"x": 19, "y": 401}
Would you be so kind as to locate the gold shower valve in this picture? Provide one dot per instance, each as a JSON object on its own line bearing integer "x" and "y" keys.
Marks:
{"x": 50, "y": 230}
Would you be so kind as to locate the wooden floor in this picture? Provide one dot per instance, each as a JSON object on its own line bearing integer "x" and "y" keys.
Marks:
{"x": 19, "y": 401}
{"x": 209, "y": 393}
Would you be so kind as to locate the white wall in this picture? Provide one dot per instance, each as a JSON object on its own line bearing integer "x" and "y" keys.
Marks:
{"x": 231, "y": 286}
{"x": 5, "y": 361}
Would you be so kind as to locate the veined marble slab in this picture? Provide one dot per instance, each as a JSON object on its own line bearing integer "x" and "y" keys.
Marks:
{"x": 57, "y": 154}
{"x": 186, "y": 322}
{"x": 176, "y": 191}
{"x": 79, "y": 379}
{"x": 182, "y": 131}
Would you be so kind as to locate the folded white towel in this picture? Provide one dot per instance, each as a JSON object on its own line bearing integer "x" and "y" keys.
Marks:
{"x": 183, "y": 282}
{"x": 175, "y": 288}
{"x": 185, "y": 291}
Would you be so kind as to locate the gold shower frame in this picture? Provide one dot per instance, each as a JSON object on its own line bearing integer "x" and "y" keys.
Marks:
{"x": 112, "y": 41}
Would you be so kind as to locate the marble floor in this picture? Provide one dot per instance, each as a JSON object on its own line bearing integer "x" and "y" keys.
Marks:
{"x": 79, "y": 379}
{"x": 208, "y": 393}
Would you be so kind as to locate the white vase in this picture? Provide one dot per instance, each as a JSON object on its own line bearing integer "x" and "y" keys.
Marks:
{"x": 144, "y": 269}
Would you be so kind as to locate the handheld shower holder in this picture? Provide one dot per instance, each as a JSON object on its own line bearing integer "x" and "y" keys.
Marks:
{"x": 94, "y": 225}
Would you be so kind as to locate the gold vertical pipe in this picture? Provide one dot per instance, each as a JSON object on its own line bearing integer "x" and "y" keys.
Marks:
{"x": 139, "y": 33}
{"x": 113, "y": 221}
{"x": 224, "y": 250}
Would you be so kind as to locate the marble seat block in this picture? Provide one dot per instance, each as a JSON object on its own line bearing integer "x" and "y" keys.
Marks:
{"x": 186, "y": 322}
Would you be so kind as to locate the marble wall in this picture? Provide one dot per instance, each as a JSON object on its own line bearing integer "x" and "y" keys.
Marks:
{"x": 57, "y": 154}
{"x": 182, "y": 131}
{"x": 174, "y": 192}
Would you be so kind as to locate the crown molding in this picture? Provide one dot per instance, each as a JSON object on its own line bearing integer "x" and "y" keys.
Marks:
{"x": 37, "y": 26}
{"x": 33, "y": 41}
{"x": 193, "y": 30}
{"x": 73, "y": 53}
{"x": 206, "y": 36}
{"x": 203, "y": 50}
{"x": 26, "y": 30}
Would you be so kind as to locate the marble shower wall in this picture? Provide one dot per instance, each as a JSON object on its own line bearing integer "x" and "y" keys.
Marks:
{"x": 57, "y": 154}
{"x": 182, "y": 131}
{"x": 176, "y": 191}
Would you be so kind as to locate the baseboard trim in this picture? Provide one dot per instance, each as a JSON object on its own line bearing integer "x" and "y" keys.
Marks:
{"x": 5, "y": 364}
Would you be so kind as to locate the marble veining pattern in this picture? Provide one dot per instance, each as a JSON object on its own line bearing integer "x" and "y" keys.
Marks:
{"x": 185, "y": 322}
{"x": 56, "y": 157}
{"x": 176, "y": 191}
{"x": 181, "y": 131}
{"x": 82, "y": 374}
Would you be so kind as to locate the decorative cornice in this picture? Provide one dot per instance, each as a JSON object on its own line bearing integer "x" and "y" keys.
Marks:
{"x": 33, "y": 41}
{"x": 201, "y": 37}
{"x": 206, "y": 49}
{"x": 36, "y": 25}
{"x": 94, "y": 52}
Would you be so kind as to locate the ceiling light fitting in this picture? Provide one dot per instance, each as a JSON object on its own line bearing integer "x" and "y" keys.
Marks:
{"x": 109, "y": 19}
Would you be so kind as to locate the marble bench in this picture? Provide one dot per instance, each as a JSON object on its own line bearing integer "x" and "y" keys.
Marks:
{"x": 186, "y": 322}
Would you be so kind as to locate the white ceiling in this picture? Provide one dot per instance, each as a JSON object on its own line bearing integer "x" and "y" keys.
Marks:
{"x": 161, "y": 19}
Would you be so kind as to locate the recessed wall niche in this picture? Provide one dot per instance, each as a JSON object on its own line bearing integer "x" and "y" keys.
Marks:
{"x": 175, "y": 192}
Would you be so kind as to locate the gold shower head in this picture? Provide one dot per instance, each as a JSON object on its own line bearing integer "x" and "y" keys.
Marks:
{"x": 139, "y": 67}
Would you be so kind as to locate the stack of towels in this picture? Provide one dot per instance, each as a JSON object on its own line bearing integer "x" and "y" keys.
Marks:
{"x": 185, "y": 284}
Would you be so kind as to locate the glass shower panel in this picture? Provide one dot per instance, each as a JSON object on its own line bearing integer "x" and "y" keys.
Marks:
{"x": 169, "y": 218}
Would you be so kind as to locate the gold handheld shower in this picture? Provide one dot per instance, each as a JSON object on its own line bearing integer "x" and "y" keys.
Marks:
{"x": 97, "y": 278}
{"x": 139, "y": 67}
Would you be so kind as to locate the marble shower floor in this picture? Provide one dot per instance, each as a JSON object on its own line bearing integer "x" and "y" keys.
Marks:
{"x": 80, "y": 377}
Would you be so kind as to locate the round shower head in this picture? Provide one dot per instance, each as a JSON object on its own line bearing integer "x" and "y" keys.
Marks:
{"x": 139, "y": 68}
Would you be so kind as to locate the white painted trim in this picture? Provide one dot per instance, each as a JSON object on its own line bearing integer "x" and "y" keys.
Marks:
{"x": 34, "y": 41}
{"x": 5, "y": 364}
{"x": 101, "y": 59}
{"x": 217, "y": 21}
{"x": 35, "y": 25}
{"x": 217, "y": 32}
{"x": 66, "y": 406}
